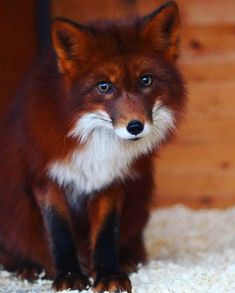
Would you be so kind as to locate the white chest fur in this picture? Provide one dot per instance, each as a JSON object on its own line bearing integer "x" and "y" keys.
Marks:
{"x": 104, "y": 159}
{"x": 93, "y": 167}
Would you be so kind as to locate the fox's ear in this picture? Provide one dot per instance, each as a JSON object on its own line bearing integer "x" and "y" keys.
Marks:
{"x": 162, "y": 28}
{"x": 69, "y": 41}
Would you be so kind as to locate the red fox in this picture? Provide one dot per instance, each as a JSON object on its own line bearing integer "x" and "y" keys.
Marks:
{"x": 77, "y": 148}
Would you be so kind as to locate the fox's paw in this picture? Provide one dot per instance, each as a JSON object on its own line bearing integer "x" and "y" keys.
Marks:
{"x": 117, "y": 282}
{"x": 29, "y": 273}
{"x": 71, "y": 280}
{"x": 129, "y": 266}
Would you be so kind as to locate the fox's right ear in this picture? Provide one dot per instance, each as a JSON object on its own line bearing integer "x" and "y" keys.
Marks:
{"x": 70, "y": 42}
{"x": 162, "y": 29}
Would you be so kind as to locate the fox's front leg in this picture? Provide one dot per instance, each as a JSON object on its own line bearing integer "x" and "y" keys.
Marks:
{"x": 68, "y": 273}
{"x": 104, "y": 215}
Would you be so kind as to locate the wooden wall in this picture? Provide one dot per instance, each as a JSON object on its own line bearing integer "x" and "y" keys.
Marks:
{"x": 198, "y": 169}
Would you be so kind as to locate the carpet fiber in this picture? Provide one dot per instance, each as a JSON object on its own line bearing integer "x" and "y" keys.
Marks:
{"x": 189, "y": 252}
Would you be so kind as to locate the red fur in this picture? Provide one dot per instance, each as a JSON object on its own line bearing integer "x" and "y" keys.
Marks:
{"x": 33, "y": 131}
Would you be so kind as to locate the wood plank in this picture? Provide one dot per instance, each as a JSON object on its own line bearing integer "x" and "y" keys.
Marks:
{"x": 199, "y": 40}
{"x": 215, "y": 69}
{"x": 196, "y": 172}
{"x": 208, "y": 12}
{"x": 203, "y": 58}
{"x": 211, "y": 113}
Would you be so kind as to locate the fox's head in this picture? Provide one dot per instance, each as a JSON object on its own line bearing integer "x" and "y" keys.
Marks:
{"x": 121, "y": 78}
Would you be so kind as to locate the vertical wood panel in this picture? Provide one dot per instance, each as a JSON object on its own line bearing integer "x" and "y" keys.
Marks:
{"x": 17, "y": 43}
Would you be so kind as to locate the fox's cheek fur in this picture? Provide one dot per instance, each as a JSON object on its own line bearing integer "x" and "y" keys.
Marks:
{"x": 163, "y": 121}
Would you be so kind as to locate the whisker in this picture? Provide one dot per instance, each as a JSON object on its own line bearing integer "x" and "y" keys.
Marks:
{"x": 100, "y": 118}
{"x": 104, "y": 119}
{"x": 156, "y": 114}
{"x": 156, "y": 111}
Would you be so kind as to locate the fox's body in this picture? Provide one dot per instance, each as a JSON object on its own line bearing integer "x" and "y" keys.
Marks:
{"x": 76, "y": 149}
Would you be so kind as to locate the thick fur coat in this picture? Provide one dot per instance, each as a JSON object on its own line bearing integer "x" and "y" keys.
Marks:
{"x": 76, "y": 150}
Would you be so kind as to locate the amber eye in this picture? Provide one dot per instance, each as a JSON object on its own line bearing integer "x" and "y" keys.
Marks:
{"x": 105, "y": 87}
{"x": 146, "y": 80}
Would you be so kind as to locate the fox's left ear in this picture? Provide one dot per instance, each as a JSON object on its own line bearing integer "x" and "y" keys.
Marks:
{"x": 162, "y": 27}
{"x": 70, "y": 41}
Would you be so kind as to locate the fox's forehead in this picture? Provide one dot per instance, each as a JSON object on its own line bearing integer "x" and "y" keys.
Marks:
{"x": 125, "y": 67}
{"x": 118, "y": 36}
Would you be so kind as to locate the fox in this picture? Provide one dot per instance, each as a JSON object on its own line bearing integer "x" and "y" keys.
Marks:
{"x": 77, "y": 146}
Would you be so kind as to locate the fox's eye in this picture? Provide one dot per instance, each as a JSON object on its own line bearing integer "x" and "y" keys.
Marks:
{"x": 105, "y": 87}
{"x": 146, "y": 80}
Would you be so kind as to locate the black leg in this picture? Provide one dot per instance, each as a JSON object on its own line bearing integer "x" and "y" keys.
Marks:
{"x": 68, "y": 271}
{"x": 109, "y": 276}
{"x": 132, "y": 254}
{"x": 105, "y": 254}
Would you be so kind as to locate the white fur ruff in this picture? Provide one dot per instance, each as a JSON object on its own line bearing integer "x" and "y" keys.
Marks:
{"x": 105, "y": 156}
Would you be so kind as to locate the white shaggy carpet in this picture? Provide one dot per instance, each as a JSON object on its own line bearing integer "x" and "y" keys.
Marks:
{"x": 189, "y": 251}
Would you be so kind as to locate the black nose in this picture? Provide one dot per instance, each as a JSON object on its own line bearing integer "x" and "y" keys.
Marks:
{"x": 135, "y": 127}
